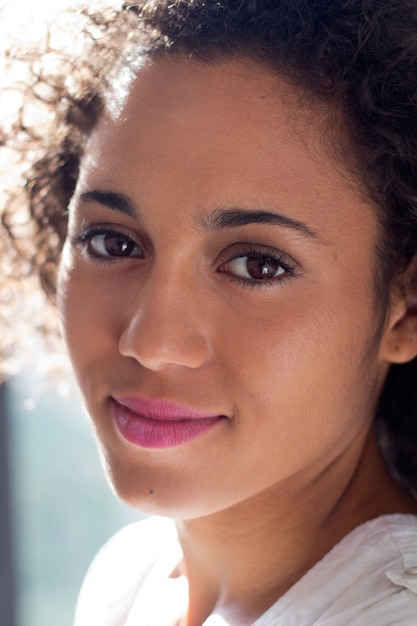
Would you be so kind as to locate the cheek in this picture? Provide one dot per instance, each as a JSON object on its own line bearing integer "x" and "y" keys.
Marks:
{"x": 73, "y": 306}
{"x": 83, "y": 314}
{"x": 64, "y": 292}
{"x": 294, "y": 342}
{"x": 302, "y": 379}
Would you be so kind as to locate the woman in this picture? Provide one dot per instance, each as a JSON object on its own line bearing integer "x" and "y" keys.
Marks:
{"x": 237, "y": 293}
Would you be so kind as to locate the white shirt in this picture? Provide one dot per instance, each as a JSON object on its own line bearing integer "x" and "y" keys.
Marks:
{"x": 368, "y": 579}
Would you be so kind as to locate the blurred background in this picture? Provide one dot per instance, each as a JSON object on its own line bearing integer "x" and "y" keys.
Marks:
{"x": 56, "y": 508}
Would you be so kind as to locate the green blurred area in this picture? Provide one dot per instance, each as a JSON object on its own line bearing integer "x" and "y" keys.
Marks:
{"x": 63, "y": 508}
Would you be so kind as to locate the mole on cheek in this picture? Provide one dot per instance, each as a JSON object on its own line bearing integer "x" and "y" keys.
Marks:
{"x": 151, "y": 491}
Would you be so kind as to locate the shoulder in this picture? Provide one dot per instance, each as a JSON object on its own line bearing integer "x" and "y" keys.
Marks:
{"x": 370, "y": 578}
{"x": 119, "y": 569}
{"x": 385, "y": 567}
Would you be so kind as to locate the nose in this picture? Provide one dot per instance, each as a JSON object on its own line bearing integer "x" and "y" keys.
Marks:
{"x": 165, "y": 326}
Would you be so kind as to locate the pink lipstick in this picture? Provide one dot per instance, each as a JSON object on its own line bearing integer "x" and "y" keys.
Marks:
{"x": 155, "y": 423}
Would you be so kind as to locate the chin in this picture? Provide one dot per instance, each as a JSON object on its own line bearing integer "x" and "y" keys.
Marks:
{"x": 161, "y": 493}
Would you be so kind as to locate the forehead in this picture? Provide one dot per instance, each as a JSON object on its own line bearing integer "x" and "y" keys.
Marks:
{"x": 236, "y": 99}
{"x": 223, "y": 133}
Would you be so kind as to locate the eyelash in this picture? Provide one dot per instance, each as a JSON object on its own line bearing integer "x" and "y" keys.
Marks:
{"x": 263, "y": 253}
{"x": 85, "y": 238}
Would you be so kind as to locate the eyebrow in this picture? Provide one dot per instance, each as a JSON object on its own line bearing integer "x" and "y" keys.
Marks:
{"x": 218, "y": 220}
{"x": 232, "y": 218}
{"x": 113, "y": 200}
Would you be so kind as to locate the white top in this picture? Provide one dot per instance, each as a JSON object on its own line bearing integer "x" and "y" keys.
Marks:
{"x": 368, "y": 579}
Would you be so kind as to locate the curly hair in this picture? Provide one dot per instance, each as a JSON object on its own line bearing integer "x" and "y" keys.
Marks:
{"x": 357, "y": 56}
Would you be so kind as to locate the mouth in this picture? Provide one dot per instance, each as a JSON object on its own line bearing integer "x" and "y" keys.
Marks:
{"x": 159, "y": 424}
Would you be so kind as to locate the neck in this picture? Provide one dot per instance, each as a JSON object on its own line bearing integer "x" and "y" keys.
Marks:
{"x": 241, "y": 560}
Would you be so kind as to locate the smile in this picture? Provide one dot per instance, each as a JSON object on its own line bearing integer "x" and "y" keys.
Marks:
{"x": 156, "y": 424}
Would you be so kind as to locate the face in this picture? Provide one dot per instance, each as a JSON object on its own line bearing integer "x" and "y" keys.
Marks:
{"x": 216, "y": 290}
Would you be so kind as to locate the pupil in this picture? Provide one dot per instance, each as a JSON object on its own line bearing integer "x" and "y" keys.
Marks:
{"x": 261, "y": 268}
{"x": 116, "y": 246}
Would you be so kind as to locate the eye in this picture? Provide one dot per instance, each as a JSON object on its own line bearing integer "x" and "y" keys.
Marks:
{"x": 111, "y": 244}
{"x": 255, "y": 265}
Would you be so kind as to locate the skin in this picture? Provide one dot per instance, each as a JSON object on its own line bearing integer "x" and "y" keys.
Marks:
{"x": 292, "y": 362}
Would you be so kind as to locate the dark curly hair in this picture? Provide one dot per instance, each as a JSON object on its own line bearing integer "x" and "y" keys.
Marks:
{"x": 357, "y": 56}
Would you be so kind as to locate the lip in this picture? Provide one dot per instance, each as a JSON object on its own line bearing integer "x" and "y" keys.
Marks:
{"x": 150, "y": 423}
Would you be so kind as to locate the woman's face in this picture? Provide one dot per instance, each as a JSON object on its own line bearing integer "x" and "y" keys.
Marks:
{"x": 219, "y": 264}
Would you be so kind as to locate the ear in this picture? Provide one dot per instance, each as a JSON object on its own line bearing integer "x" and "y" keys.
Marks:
{"x": 399, "y": 341}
